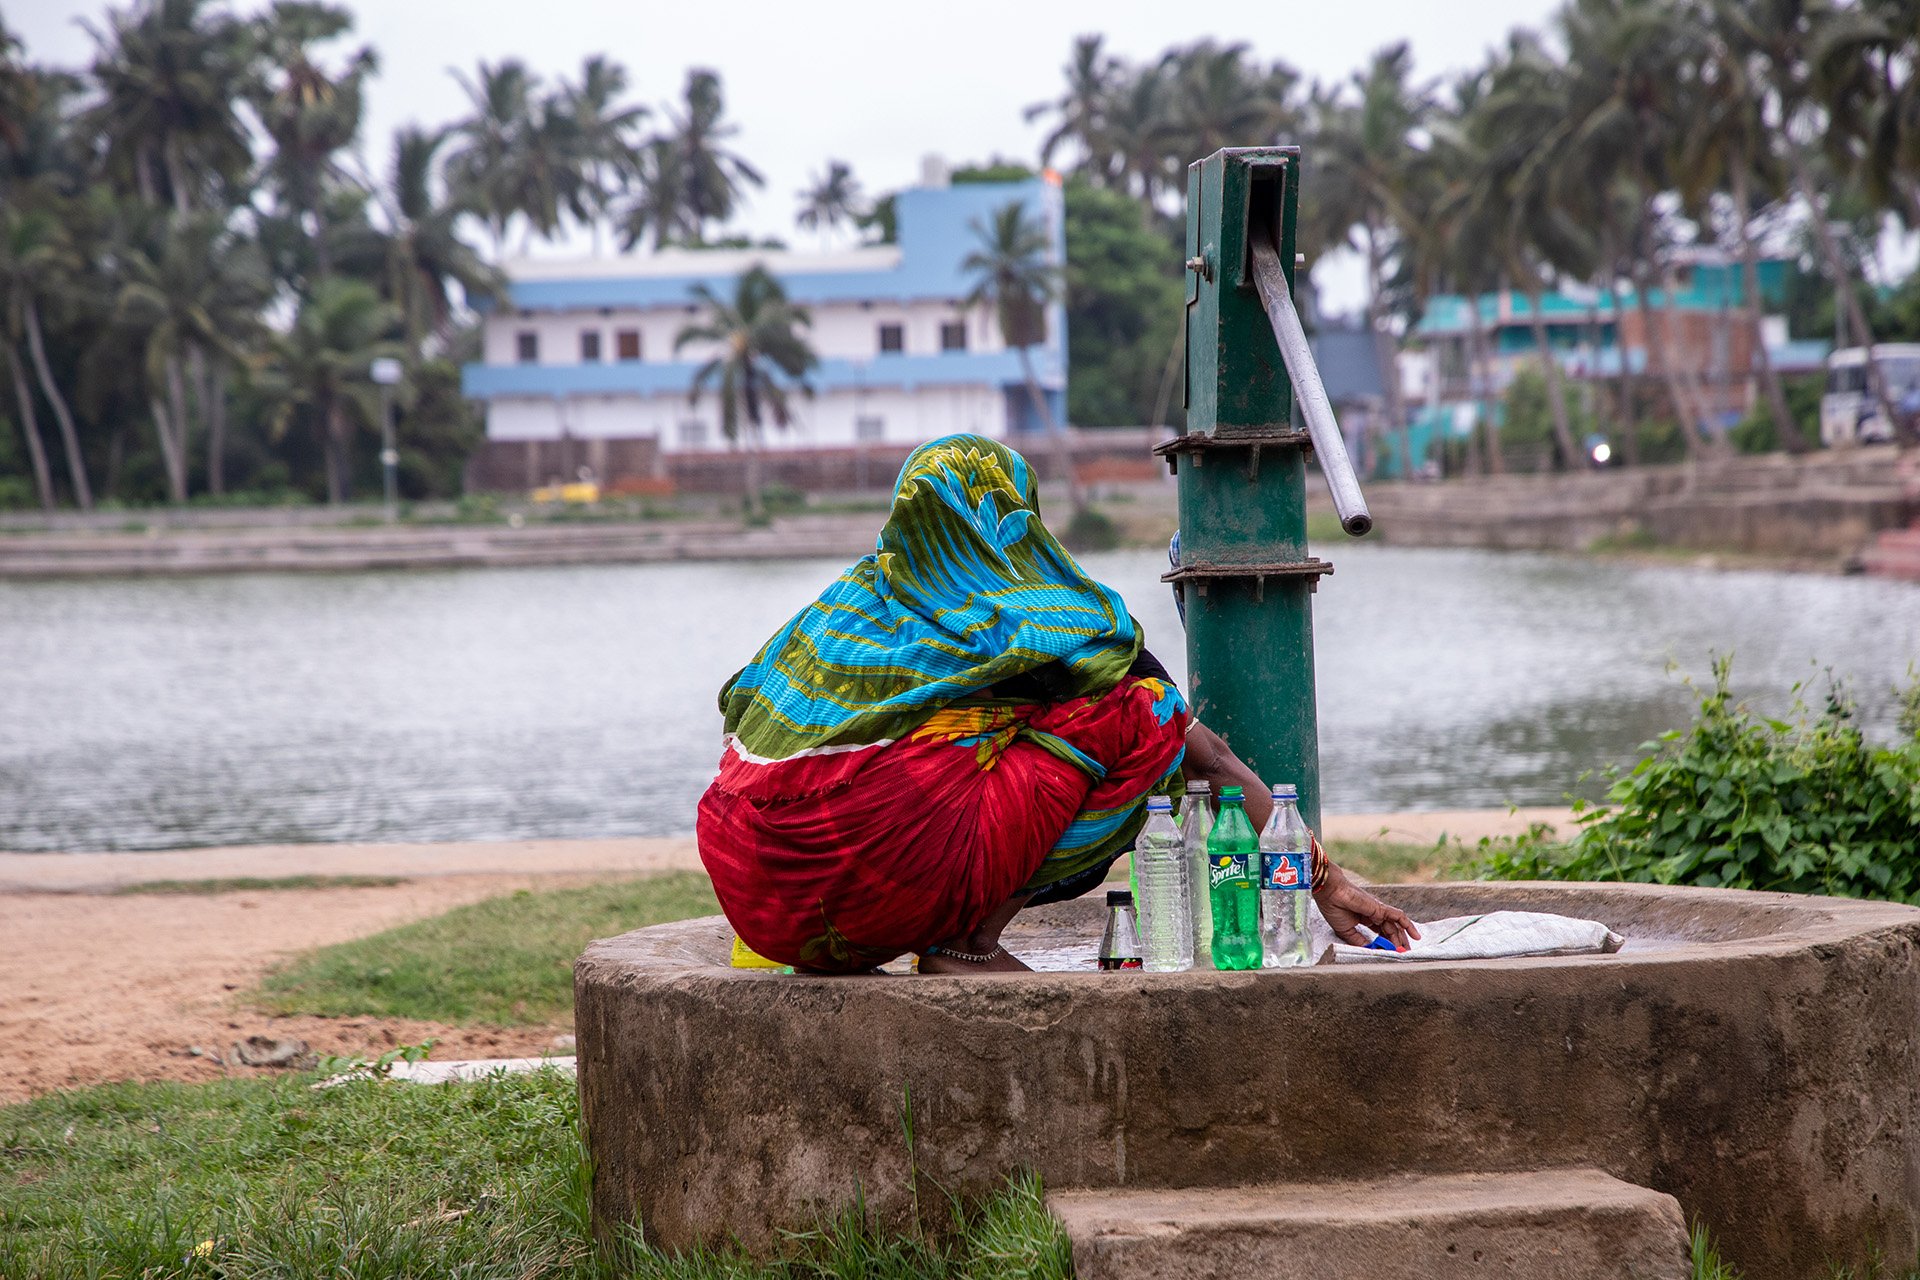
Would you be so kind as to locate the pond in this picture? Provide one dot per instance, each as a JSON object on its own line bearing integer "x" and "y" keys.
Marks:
{"x": 579, "y": 701}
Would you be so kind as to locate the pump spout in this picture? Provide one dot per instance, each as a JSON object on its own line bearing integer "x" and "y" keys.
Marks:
{"x": 1271, "y": 280}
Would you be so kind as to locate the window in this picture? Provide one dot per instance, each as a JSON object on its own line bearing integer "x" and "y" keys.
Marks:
{"x": 868, "y": 429}
{"x": 693, "y": 434}
{"x": 893, "y": 339}
{"x": 626, "y": 344}
{"x": 953, "y": 335}
{"x": 527, "y": 345}
{"x": 589, "y": 346}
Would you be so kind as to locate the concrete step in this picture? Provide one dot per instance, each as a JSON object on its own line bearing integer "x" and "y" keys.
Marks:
{"x": 1567, "y": 1224}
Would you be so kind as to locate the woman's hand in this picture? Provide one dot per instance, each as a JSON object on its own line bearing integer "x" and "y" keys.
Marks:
{"x": 1345, "y": 905}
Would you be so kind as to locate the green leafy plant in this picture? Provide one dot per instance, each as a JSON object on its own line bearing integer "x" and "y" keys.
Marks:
{"x": 378, "y": 1068}
{"x": 1806, "y": 805}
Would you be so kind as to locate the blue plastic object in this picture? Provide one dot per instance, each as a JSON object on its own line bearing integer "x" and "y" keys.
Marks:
{"x": 1381, "y": 942}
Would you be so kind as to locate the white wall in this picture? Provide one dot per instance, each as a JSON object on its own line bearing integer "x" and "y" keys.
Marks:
{"x": 828, "y": 420}
{"x": 845, "y": 330}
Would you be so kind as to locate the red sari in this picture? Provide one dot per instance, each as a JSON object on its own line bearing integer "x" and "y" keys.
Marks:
{"x": 844, "y": 858}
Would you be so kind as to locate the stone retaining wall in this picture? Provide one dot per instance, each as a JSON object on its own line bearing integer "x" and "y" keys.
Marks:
{"x": 1828, "y": 504}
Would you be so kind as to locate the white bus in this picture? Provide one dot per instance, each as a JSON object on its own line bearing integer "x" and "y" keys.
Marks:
{"x": 1849, "y": 411}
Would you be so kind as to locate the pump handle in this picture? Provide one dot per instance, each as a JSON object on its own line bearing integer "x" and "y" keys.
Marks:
{"x": 1271, "y": 280}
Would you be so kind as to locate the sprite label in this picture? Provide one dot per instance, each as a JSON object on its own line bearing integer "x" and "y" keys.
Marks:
{"x": 1225, "y": 868}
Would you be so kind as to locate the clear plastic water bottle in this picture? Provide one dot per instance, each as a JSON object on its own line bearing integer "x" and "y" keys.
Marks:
{"x": 1120, "y": 944}
{"x": 1233, "y": 879}
{"x": 1286, "y": 882}
{"x": 1165, "y": 896}
{"x": 1196, "y": 823}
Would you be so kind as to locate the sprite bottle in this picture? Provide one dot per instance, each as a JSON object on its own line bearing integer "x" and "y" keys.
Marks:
{"x": 1233, "y": 884}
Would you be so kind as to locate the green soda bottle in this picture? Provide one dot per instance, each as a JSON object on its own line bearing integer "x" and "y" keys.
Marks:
{"x": 1233, "y": 884}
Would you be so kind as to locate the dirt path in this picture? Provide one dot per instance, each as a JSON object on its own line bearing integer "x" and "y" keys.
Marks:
{"x": 97, "y": 986}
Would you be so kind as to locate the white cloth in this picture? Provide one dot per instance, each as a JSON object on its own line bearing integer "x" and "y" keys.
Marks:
{"x": 1494, "y": 935}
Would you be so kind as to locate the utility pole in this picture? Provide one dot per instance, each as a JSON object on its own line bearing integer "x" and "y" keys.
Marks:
{"x": 386, "y": 371}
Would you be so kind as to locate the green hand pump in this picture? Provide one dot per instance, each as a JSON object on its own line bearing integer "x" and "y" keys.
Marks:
{"x": 1245, "y": 575}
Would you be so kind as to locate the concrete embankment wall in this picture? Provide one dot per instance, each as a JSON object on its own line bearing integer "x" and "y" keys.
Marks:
{"x": 1823, "y": 505}
{"x": 431, "y": 547}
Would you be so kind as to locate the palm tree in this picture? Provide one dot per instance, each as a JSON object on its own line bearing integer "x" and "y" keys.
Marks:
{"x": 1013, "y": 272}
{"x": 659, "y": 204}
{"x": 171, "y": 75}
{"x": 310, "y": 113}
{"x": 709, "y": 176}
{"x": 1219, "y": 100}
{"x": 1524, "y": 85}
{"x": 1367, "y": 158}
{"x": 518, "y": 155}
{"x": 19, "y": 90}
{"x": 194, "y": 289}
{"x": 37, "y": 260}
{"x": 1726, "y": 146}
{"x": 763, "y": 356}
{"x": 1140, "y": 131}
{"x": 1081, "y": 112}
{"x": 1863, "y": 68}
{"x": 833, "y": 199}
{"x": 604, "y": 130}
{"x": 1835, "y": 64}
{"x": 1625, "y": 61}
{"x": 322, "y": 370}
{"x": 419, "y": 255}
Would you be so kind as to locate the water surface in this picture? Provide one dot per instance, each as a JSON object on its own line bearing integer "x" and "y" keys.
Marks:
{"x": 579, "y": 701}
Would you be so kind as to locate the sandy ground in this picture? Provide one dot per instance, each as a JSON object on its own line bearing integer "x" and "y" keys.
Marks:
{"x": 96, "y": 987}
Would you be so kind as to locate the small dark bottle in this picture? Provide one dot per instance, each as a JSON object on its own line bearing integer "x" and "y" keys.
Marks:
{"x": 1120, "y": 944}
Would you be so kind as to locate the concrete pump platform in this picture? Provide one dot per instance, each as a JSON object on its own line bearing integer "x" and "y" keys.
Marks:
{"x": 1752, "y": 1055}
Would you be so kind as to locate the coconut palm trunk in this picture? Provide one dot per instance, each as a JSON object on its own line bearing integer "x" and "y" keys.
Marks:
{"x": 30, "y": 428}
{"x": 1628, "y": 409}
{"x": 210, "y": 374}
{"x": 1556, "y": 396}
{"x": 1480, "y": 378}
{"x": 1383, "y": 352}
{"x": 69, "y": 438}
{"x": 1662, "y": 369}
{"x": 1836, "y": 268}
{"x": 178, "y": 412}
{"x": 1785, "y": 427}
{"x": 171, "y": 459}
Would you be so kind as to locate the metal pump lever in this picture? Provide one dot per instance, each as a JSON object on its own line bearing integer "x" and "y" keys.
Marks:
{"x": 1271, "y": 280}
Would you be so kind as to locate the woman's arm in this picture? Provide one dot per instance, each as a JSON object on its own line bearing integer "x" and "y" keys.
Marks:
{"x": 1341, "y": 901}
{"x": 1210, "y": 758}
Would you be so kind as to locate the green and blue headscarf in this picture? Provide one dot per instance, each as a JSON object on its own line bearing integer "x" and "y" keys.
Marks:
{"x": 965, "y": 588}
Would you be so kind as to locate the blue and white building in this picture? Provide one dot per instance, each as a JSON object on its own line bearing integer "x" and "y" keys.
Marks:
{"x": 584, "y": 350}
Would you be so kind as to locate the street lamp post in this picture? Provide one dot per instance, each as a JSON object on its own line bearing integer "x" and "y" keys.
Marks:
{"x": 386, "y": 372}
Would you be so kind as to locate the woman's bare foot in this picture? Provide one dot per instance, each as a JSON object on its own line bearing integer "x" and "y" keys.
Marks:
{"x": 1000, "y": 961}
{"x": 983, "y": 942}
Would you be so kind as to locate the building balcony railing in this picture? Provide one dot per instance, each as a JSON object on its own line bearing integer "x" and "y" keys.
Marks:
{"x": 836, "y": 373}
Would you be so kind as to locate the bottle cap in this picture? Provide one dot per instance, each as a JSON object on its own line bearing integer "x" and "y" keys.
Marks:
{"x": 1159, "y": 804}
{"x": 1119, "y": 897}
{"x": 1285, "y": 791}
{"x": 1199, "y": 787}
{"x": 1232, "y": 793}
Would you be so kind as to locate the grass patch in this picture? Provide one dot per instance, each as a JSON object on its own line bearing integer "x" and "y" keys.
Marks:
{"x": 1392, "y": 861}
{"x": 1324, "y": 526}
{"x": 259, "y": 1179}
{"x": 244, "y": 884}
{"x": 507, "y": 961}
{"x": 1637, "y": 538}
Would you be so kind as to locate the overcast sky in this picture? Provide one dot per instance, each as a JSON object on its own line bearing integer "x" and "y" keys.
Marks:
{"x": 876, "y": 84}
